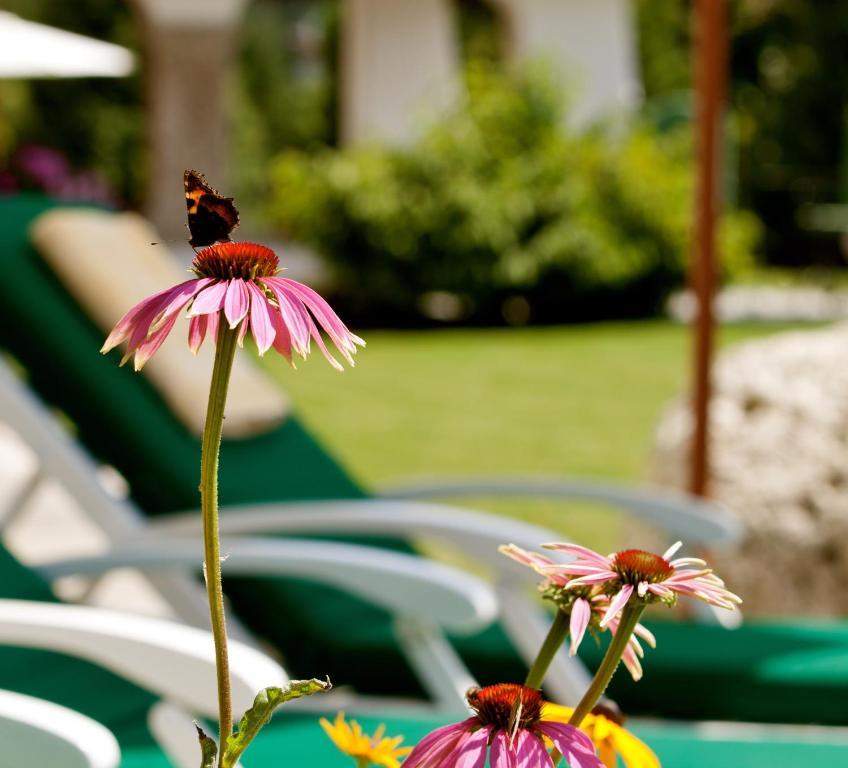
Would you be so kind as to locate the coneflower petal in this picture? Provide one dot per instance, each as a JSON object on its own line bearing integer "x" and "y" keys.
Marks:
{"x": 236, "y": 302}
{"x": 197, "y": 332}
{"x": 575, "y": 746}
{"x": 260, "y": 319}
{"x": 236, "y": 280}
{"x": 146, "y": 350}
{"x": 471, "y": 750}
{"x": 282, "y": 336}
{"x": 501, "y": 756}
{"x": 530, "y": 751}
{"x": 125, "y": 325}
{"x": 438, "y": 744}
{"x": 323, "y": 313}
{"x": 581, "y": 612}
{"x": 617, "y": 603}
{"x": 209, "y": 300}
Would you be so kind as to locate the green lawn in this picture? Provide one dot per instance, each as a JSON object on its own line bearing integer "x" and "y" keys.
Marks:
{"x": 575, "y": 400}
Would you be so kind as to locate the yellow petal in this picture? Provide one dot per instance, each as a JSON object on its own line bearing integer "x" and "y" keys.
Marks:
{"x": 607, "y": 755}
{"x": 608, "y": 737}
{"x": 634, "y": 752}
{"x": 350, "y": 739}
{"x": 556, "y": 712}
{"x": 334, "y": 732}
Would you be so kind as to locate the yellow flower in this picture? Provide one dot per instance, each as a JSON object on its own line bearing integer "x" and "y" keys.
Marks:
{"x": 609, "y": 738}
{"x": 366, "y": 750}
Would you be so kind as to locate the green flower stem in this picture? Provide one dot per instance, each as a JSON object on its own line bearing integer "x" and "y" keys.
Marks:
{"x": 553, "y": 641}
{"x": 224, "y": 355}
{"x": 629, "y": 619}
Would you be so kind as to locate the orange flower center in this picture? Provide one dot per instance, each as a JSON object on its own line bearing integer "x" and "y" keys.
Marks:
{"x": 506, "y": 705}
{"x": 636, "y": 565}
{"x": 230, "y": 260}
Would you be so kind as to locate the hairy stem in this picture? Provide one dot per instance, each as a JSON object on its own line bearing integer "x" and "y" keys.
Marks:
{"x": 553, "y": 641}
{"x": 224, "y": 355}
{"x": 629, "y": 619}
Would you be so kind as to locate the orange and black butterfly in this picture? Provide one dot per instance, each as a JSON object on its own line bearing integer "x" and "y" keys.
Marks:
{"x": 211, "y": 216}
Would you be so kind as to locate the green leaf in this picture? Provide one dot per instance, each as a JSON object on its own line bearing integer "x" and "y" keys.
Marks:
{"x": 208, "y": 749}
{"x": 260, "y": 713}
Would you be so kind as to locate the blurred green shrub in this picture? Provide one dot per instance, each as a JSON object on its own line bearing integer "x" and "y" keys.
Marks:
{"x": 497, "y": 213}
{"x": 787, "y": 92}
{"x": 283, "y": 91}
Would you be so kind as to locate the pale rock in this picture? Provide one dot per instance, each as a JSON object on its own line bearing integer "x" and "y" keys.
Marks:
{"x": 779, "y": 444}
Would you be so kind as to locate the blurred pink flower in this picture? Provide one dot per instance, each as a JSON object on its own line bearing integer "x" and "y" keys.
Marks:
{"x": 239, "y": 280}
{"x": 45, "y": 169}
{"x": 508, "y": 726}
{"x": 653, "y": 578}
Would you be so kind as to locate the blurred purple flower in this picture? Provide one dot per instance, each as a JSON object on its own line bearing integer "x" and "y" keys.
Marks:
{"x": 42, "y": 166}
{"x": 44, "y": 169}
{"x": 86, "y": 186}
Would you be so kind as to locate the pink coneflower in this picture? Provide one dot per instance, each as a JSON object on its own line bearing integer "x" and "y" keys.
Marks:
{"x": 508, "y": 726}
{"x": 653, "y": 578}
{"x": 241, "y": 280}
{"x": 586, "y": 607}
{"x": 577, "y": 604}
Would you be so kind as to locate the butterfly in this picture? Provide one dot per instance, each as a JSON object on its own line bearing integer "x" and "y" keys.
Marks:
{"x": 211, "y": 216}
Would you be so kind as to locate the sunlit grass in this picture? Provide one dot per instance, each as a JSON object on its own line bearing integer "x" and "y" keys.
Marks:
{"x": 574, "y": 400}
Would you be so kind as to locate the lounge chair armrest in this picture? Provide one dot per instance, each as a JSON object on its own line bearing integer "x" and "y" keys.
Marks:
{"x": 38, "y": 732}
{"x": 403, "y": 584}
{"x": 477, "y": 534}
{"x": 681, "y": 515}
{"x": 171, "y": 660}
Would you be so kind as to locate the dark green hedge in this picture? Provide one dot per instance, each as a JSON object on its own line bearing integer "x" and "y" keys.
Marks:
{"x": 497, "y": 213}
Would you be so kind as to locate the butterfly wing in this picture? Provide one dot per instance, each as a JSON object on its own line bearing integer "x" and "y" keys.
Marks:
{"x": 211, "y": 216}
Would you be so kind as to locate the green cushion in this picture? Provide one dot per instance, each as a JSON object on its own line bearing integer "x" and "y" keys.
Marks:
{"x": 713, "y": 745}
{"x": 767, "y": 672}
{"x": 790, "y": 673}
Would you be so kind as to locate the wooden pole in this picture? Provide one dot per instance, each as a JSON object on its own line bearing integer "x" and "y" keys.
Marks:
{"x": 710, "y": 79}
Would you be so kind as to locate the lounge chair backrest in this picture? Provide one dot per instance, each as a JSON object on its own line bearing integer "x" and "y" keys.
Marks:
{"x": 120, "y": 415}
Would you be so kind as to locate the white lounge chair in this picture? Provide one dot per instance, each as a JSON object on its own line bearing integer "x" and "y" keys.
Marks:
{"x": 172, "y": 661}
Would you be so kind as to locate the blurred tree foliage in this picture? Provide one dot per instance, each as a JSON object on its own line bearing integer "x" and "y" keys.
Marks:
{"x": 285, "y": 92}
{"x": 94, "y": 122}
{"x": 788, "y": 97}
{"x": 283, "y": 89}
{"x": 497, "y": 214}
